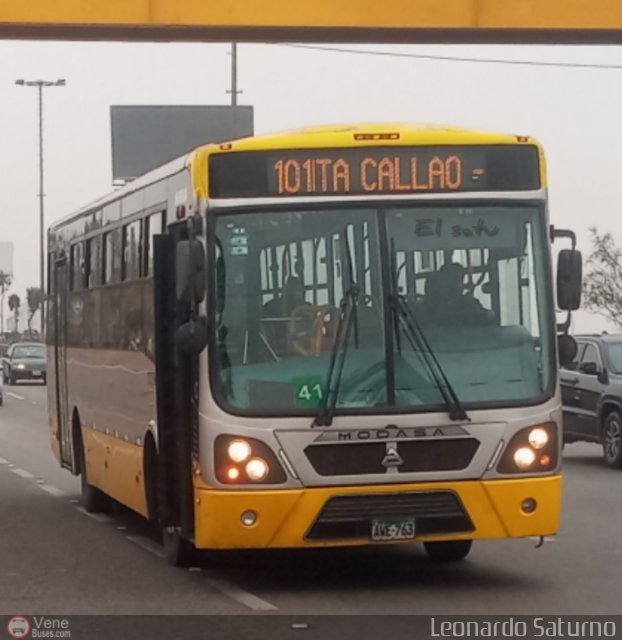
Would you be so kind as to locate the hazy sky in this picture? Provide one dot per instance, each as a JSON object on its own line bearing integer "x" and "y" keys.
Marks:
{"x": 574, "y": 112}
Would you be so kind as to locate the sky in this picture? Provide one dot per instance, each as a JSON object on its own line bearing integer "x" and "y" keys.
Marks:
{"x": 575, "y": 112}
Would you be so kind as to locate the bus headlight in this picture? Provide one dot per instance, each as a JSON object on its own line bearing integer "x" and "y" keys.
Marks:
{"x": 531, "y": 450}
{"x": 242, "y": 461}
{"x": 538, "y": 438}
{"x": 257, "y": 469}
{"x": 239, "y": 450}
{"x": 524, "y": 457}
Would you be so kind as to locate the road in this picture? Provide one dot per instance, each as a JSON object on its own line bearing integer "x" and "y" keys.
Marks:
{"x": 56, "y": 558}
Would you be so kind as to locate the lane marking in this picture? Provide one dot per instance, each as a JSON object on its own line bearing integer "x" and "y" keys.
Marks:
{"x": 226, "y": 588}
{"x": 239, "y": 595}
{"x": 147, "y": 545}
{"x": 52, "y": 490}
{"x": 546, "y": 538}
{"x": 22, "y": 474}
{"x": 48, "y": 488}
{"x": 98, "y": 517}
{"x": 15, "y": 395}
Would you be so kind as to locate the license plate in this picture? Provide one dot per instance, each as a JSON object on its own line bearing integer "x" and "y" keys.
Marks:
{"x": 36, "y": 373}
{"x": 393, "y": 529}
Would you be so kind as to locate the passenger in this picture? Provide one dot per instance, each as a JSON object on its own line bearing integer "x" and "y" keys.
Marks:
{"x": 447, "y": 303}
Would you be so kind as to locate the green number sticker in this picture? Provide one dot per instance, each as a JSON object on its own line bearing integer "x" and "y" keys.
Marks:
{"x": 309, "y": 391}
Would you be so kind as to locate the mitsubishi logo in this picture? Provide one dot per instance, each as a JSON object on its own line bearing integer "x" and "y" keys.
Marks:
{"x": 392, "y": 458}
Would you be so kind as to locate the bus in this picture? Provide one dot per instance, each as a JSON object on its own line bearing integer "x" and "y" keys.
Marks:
{"x": 333, "y": 336}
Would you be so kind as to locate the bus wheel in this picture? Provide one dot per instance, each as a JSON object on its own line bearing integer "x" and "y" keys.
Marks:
{"x": 93, "y": 500}
{"x": 178, "y": 551}
{"x": 448, "y": 551}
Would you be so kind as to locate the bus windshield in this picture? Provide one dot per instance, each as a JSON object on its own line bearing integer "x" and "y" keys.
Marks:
{"x": 474, "y": 277}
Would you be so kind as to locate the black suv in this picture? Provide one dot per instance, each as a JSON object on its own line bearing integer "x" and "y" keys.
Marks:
{"x": 592, "y": 395}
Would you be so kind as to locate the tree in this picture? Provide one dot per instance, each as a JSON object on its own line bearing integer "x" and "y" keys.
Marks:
{"x": 14, "y": 305}
{"x": 602, "y": 283}
{"x": 5, "y": 283}
{"x": 34, "y": 297}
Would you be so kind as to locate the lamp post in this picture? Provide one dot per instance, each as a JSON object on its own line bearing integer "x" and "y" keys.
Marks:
{"x": 40, "y": 85}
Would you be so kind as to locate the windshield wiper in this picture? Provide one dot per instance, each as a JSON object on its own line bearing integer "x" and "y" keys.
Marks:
{"x": 348, "y": 319}
{"x": 330, "y": 392}
{"x": 404, "y": 316}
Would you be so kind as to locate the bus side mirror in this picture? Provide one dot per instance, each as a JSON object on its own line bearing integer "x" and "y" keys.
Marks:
{"x": 569, "y": 279}
{"x": 191, "y": 337}
{"x": 190, "y": 281}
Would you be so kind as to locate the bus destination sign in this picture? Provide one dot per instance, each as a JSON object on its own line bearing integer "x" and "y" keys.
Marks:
{"x": 374, "y": 171}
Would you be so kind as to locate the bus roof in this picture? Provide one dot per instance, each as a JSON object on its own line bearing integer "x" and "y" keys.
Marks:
{"x": 320, "y": 136}
{"x": 348, "y": 135}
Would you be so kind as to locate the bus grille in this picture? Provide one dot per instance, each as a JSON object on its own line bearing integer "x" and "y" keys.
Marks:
{"x": 359, "y": 458}
{"x": 434, "y": 512}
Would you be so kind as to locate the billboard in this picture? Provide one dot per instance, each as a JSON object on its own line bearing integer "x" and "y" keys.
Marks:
{"x": 6, "y": 258}
{"x": 145, "y": 137}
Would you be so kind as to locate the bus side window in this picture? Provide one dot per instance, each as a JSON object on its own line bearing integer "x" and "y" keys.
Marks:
{"x": 92, "y": 261}
{"x": 112, "y": 256}
{"x": 154, "y": 225}
{"x": 132, "y": 247}
{"x": 76, "y": 269}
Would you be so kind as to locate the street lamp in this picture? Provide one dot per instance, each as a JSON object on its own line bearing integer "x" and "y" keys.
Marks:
{"x": 40, "y": 84}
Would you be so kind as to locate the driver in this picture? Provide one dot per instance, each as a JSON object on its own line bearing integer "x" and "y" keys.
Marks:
{"x": 447, "y": 303}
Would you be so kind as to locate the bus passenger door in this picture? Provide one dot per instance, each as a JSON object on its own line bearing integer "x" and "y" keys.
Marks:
{"x": 175, "y": 385}
{"x": 63, "y": 432}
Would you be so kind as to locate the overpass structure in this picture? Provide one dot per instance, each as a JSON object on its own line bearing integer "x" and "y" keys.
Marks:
{"x": 388, "y": 21}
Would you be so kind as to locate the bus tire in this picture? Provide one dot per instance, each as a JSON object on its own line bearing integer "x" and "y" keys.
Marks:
{"x": 449, "y": 550}
{"x": 178, "y": 551}
{"x": 93, "y": 500}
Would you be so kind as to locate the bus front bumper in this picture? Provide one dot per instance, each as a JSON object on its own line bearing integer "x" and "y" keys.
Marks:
{"x": 345, "y": 516}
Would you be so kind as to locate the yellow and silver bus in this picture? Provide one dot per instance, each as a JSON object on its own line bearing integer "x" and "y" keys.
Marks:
{"x": 331, "y": 336}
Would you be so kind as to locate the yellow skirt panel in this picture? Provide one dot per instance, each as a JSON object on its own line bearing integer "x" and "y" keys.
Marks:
{"x": 285, "y": 516}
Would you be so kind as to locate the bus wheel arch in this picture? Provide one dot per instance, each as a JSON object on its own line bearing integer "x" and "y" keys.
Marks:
{"x": 93, "y": 500}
